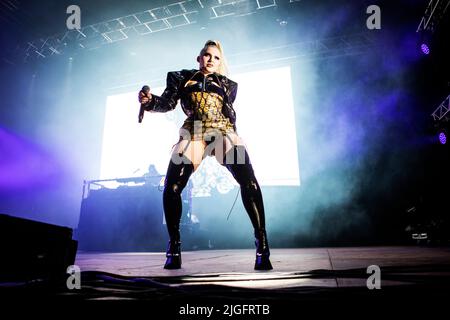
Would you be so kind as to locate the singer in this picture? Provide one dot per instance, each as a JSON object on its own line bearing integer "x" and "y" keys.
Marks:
{"x": 207, "y": 97}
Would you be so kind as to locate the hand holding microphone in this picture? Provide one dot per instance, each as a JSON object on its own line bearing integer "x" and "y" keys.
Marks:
{"x": 145, "y": 98}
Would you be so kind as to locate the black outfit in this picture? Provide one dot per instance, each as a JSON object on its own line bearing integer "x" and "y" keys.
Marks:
{"x": 208, "y": 99}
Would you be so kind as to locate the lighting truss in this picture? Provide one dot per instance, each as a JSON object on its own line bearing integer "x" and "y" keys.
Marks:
{"x": 433, "y": 14}
{"x": 175, "y": 15}
{"x": 442, "y": 110}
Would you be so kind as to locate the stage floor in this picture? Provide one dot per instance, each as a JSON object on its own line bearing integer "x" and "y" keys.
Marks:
{"x": 411, "y": 277}
{"x": 323, "y": 267}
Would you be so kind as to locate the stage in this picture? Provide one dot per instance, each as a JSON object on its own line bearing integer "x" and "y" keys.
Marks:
{"x": 292, "y": 267}
{"x": 305, "y": 272}
{"x": 342, "y": 107}
{"x": 411, "y": 278}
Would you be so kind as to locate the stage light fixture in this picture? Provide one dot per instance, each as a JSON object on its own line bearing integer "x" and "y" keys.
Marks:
{"x": 425, "y": 49}
{"x": 442, "y": 137}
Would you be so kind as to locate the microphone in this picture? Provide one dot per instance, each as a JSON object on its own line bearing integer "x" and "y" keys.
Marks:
{"x": 145, "y": 90}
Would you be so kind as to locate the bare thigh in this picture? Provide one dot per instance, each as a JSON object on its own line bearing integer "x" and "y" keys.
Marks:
{"x": 191, "y": 149}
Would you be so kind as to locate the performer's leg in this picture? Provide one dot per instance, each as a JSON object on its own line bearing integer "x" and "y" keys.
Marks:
{"x": 237, "y": 161}
{"x": 178, "y": 173}
{"x": 176, "y": 179}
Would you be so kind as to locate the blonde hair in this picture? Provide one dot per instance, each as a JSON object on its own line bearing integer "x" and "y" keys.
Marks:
{"x": 223, "y": 67}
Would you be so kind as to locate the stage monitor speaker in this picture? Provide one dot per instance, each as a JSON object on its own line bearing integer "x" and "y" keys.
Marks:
{"x": 34, "y": 250}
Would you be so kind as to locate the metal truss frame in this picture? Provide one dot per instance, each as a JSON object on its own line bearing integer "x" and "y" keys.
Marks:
{"x": 433, "y": 14}
{"x": 442, "y": 110}
{"x": 175, "y": 15}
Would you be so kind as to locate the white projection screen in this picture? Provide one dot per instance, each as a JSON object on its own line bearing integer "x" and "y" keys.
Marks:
{"x": 265, "y": 121}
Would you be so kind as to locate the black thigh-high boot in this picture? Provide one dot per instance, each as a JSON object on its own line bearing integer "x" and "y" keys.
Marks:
{"x": 237, "y": 161}
{"x": 176, "y": 179}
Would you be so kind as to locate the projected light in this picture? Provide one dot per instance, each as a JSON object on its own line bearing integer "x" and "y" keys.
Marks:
{"x": 442, "y": 137}
{"x": 425, "y": 49}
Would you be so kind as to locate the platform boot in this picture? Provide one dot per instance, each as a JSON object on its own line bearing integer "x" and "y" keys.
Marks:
{"x": 242, "y": 170}
{"x": 176, "y": 179}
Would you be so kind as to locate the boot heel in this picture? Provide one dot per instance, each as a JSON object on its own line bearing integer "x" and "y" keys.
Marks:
{"x": 262, "y": 262}
{"x": 173, "y": 255}
{"x": 173, "y": 262}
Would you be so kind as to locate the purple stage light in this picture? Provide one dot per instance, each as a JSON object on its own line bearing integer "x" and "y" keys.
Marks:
{"x": 442, "y": 138}
{"x": 425, "y": 49}
{"x": 24, "y": 164}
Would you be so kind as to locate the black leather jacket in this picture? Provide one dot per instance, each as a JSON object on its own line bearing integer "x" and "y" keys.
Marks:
{"x": 175, "y": 89}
